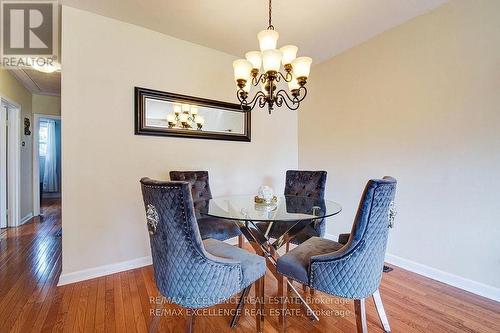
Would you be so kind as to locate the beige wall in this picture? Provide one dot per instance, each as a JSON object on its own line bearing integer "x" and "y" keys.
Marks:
{"x": 420, "y": 102}
{"x": 47, "y": 105}
{"x": 15, "y": 92}
{"x": 103, "y": 60}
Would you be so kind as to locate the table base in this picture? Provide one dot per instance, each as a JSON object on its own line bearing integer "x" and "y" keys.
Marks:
{"x": 263, "y": 247}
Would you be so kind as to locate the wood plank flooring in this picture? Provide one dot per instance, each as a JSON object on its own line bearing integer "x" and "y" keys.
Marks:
{"x": 30, "y": 301}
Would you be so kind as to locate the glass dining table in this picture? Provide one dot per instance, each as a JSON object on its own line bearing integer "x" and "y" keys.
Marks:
{"x": 286, "y": 217}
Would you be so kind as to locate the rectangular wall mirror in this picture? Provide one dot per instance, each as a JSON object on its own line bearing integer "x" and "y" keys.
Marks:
{"x": 169, "y": 114}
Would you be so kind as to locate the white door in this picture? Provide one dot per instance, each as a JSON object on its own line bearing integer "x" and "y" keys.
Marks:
{"x": 3, "y": 166}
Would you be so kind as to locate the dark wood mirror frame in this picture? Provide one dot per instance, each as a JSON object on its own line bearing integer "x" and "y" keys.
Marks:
{"x": 140, "y": 116}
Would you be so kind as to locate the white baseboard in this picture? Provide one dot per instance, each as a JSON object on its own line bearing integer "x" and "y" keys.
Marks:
{"x": 474, "y": 287}
{"x": 92, "y": 273}
{"x": 26, "y": 218}
{"x": 96, "y": 272}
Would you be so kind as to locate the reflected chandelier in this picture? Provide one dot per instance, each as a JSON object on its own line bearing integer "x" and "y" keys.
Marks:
{"x": 296, "y": 72}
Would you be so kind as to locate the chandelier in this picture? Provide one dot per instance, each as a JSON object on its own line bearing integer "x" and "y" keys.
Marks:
{"x": 296, "y": 72}
{"x": 185, "y": 116}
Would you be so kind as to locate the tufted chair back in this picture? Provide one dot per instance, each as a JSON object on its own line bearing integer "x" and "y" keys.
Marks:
{"x": 305, "y": 183}
{"x": 184, "y": 272}
{"x": 355, "y": 270}
{"x": 200, "y": 187}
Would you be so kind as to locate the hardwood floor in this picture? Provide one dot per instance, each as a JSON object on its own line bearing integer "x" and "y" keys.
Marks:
{"x": 30, "y": 263}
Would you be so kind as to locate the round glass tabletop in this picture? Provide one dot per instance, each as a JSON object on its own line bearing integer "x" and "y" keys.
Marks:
{"x": 286, "y": 208}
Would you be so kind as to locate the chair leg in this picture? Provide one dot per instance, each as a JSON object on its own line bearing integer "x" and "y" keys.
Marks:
{"x": 241, "y": 241}
{"x": 381, "y": 312}
{"x": 153, "y": 328}
{"x": 241, "y": 305}
{"x": 259, "y": 304}
{"x": 190, "y": 321}
{"x": 360, "y": 311}
{"x": 283, "y": 297}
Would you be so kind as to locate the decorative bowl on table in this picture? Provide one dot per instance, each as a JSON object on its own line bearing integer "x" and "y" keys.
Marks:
{"x": 266, "y": 196}
{"x": 261, "y": 201}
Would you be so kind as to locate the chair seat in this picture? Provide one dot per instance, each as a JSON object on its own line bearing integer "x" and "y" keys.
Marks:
{"x": 295, "y": 264}
{"x": 252, "y": 265}
{"x": 220, "y": 229}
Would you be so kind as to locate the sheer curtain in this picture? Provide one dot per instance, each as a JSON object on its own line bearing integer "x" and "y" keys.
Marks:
{"x": 50, "y": 181}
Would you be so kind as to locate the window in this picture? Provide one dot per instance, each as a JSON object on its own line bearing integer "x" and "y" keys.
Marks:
{"x": 42, "y": 138}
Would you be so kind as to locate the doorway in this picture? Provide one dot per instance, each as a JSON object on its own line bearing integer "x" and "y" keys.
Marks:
{"x": 46, "y": 159}
{"x": 10, "y": 163}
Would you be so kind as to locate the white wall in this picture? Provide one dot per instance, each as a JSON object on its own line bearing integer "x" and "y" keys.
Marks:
{"x": 103, "y": 59}
{"x": 11, "y": 89}
{"x": 47, "y": 105}
{"x": 420, "y": 102}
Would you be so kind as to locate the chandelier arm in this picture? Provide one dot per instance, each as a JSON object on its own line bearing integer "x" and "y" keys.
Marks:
{"x": 282, "y": 96}
{"x": 262, "y": 78}
{"x": 262, "y": 101}
{"x": 302, "y": 94}
{"x": 257, "y": 98}
{"x": 240, "y": 92}
{"x": 287, "y": 77}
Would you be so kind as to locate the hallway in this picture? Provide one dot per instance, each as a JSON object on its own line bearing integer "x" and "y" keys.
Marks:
{"x": 30, "y": 264}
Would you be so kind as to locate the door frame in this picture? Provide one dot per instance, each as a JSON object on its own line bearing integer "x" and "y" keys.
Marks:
{"x": 13, "y": 161}
{"x": 36, "y": 159}
{"x": 3, "y": 166}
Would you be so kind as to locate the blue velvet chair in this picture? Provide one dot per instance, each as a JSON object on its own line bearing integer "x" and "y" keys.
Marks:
{"x": 303, "y": 183}
{"x": 189, "y": 271}
{"x": 210, "y": 227}
{"x": 354, "y": 269}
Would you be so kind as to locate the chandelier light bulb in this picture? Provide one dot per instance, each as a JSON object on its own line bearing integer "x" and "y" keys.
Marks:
{"x": 185, "y": 108}
{"x": 242, "y": 69}
{"x": 302, "y": 67}
{"x": 194, "y": 110}
{"x": 255, "y": 57}
{"x": 271, "y": 60}
{"x": 268, "y": 39}
{"x": 289, "y": 53}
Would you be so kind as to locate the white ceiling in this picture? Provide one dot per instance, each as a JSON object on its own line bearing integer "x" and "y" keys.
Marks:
{"x": 321, "y": 28}
{"x": 39, "y": 83}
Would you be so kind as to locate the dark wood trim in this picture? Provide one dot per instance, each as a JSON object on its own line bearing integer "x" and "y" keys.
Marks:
{"x": 139, "y": 116}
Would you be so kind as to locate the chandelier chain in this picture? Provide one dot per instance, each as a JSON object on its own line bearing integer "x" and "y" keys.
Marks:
{"x": 271, "y": 27}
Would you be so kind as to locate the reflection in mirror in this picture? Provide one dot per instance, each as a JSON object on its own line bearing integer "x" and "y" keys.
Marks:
{"x": 162, "y": 113}
{"x": 191, "y": 117}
